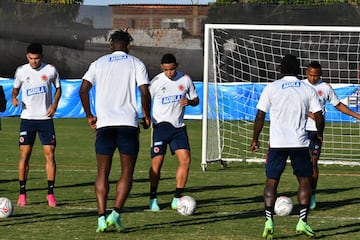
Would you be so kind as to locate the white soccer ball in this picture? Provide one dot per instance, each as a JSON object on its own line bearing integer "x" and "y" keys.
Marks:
{"x": 186, "y": 206}
{"x": 6, "y": 207}
{"x": 283, "y": 206}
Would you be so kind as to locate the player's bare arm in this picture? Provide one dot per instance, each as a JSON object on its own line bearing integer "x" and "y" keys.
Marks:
{"x": 192, "y": 102}
{"x": 344, "y": 109}
{"x": 311, "y": 115}
{"x": 52, "y": 109}
{"x": 14, "y": 94}
{"x": 320, "y": 124}
{"x": 258, "y": 126}
{"x": 146, "y": 105}
{"x": 84, "y": 97}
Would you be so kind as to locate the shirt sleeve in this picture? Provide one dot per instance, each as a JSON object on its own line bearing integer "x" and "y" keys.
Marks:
{"x": 17, "y": 80}
{"x": 56, "y": 79}
{"x": 192, "y": 90}
{"x": 332, "y": 98}
{"x": 142, "y": 76}
{"x": 90, "y": 74}
{"x": 264, "y": 101}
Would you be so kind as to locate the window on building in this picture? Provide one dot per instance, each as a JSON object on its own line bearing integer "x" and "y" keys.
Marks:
{"x": 173, "y": 23}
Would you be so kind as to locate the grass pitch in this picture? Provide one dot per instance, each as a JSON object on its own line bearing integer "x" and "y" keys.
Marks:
{"x": 230, "y": 201}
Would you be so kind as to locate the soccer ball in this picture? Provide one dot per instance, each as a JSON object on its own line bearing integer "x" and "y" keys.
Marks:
{"x": 283, "y": 206}
{"x": 186, "y": 206}
{"x": 6, "y": 207}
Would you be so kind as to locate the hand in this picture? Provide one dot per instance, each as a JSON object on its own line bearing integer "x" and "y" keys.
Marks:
{"x": 92, "y": 121}
{"x": 145, "y": 122}
{"x": 184, "y": 101}
{"x": 15, "y": 102}
{"x": 51, "y": 111}
{"x": 254, "y": 146}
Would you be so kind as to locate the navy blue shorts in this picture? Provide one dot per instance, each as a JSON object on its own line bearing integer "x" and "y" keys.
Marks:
{"x": 315, "y": 144}
{"x": 124, "y": 138}
{"x": 165, "y": 133}
{"x": 44, "y": 128}
{"x": 300, "y": 162}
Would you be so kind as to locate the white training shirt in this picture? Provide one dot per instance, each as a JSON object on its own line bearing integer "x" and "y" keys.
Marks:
{"x": 166, "y": 94}
{"x": 36, "y": 89}
{"x": 325, "y": 93}
{"x": 116, "y": 77}
{"x": 289, "y": 101}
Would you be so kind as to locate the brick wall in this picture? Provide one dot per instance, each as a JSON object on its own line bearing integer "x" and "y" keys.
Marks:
{"x": 156, "y": 16}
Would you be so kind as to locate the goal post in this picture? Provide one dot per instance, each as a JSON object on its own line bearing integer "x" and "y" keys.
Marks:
{"x": 240, "y": 59}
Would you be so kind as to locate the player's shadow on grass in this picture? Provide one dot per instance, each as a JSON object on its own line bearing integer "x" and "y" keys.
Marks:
{"x": 324, "y": 205}
{"x": 30, "y": 218}
{"x": 342, "y": 229}
{"x": 196, "y": 220}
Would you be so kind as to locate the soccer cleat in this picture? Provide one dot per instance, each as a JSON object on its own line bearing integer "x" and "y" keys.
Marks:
{"x": 22, "y": 200}
{"x": 312, "y": 202}
{"x": 153, "y": 204}
{"x": 51, "y": 200}
{"x": 303, "y": 227}
{"x": 174, "y": 203}
{"x": 268, "y": 230}
{"x": 102, "y": 226}
{"x": 114, "y": 220}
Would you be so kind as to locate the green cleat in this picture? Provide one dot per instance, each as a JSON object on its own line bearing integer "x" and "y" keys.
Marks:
{"x": 153, "y": 205}
{"x": 268, "y": 230}
{"x": 303, "y": 227}
{"x": 114, "y": 220}
{"x": 312, "y": 202}
{"x": 102, "y": 227}
{"x": 174, "y": 203}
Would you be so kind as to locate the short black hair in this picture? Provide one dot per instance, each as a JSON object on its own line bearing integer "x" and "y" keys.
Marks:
{"x": 290, "y": 65}
{"x": 35, "y": 48}
{"x": 121, "y": 36}
{"x": 168, "y": 58}
{"x": 314, "y": 64}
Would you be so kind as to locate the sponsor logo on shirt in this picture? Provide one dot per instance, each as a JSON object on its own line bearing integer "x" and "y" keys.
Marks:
{"x": 118, "y": 58}
{"x": 291, "y": 84}
{"x": 170, "y": 99}
{"x": 44, "y": 77}
{"x": 35, "y": 91}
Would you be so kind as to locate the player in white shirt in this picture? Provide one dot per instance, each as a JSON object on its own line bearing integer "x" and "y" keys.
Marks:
{"x": 35, "y": 80}
{"x": 115, "y": 77}
{"x": 325, "y": 93}
{"x": 171, "y": 92}
{"x": 289, "y": 100}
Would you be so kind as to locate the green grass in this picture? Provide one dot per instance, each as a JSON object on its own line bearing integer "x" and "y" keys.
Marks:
{"x": 230, "y": 202}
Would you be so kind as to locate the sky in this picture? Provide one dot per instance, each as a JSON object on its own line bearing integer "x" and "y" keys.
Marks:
{"x": 110, "y": 2}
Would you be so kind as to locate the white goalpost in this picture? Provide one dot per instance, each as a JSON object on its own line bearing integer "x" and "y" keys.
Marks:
{"x": 240, "y": 59}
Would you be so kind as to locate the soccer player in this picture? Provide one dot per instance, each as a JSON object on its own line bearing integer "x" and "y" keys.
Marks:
{"x": 35, "y": 80}
{"x": 289, "y": 100}
{"x": 116, "y": 77}
{"x": 325, "y": 93}
{"x": 171, "y": 92}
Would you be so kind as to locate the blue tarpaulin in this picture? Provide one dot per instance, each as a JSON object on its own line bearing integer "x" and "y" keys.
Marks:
{"x": 237, "y": 101}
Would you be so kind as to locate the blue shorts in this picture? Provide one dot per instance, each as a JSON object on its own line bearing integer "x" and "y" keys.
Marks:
{"x": 300, "y": 162}
{"x": 44, "y": 128}
{"x": 315, "y": 144}
{"x": 165, "y": 133}
{"x": 124, "y": 138}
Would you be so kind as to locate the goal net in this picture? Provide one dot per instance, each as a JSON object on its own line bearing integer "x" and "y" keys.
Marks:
{"x": 239, "y": 60}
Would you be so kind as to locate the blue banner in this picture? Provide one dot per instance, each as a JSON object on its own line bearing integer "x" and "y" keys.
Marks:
{"x": 237, "y": 101}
